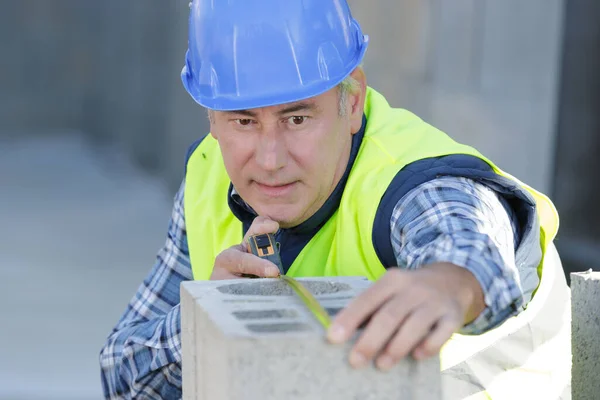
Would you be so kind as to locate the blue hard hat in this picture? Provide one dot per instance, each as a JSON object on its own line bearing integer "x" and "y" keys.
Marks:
{"x": 244, "y": 54}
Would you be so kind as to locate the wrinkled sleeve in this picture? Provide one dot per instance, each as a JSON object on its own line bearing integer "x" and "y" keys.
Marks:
{"x": 141, "y": 358}
{"x": 463, "y": 222}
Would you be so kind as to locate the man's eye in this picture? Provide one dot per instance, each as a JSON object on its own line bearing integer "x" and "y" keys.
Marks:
{"x": 243, "y": 121}
{"x": 297, "y": 120}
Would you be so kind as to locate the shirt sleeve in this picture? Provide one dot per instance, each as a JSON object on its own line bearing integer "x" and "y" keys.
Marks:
{"x": 142, "y": 355}
{"x": 463, "y": 222}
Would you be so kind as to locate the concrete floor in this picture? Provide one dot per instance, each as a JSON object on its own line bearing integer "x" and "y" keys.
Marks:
{"x": 78, "y": 232}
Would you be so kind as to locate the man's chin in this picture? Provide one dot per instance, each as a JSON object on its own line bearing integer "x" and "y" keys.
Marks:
{"x": 284, "y": 222}
{"x": 285, "y": 218}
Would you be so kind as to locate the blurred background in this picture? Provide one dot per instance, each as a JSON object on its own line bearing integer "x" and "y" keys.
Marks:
{"x": 94, "y": 126}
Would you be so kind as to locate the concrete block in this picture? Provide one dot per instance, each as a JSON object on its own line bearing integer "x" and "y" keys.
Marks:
{"x": 254, "y": 339}
{"x": 585, "y": 302}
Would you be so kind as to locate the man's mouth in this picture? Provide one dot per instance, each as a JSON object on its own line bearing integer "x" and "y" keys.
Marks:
{"x": 275, "y": 189}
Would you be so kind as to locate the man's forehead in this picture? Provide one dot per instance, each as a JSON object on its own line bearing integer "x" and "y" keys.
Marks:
{"x": 308, "y": 105}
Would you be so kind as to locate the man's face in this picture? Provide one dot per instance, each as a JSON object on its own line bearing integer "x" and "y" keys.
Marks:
{"x": 285, "y": 160}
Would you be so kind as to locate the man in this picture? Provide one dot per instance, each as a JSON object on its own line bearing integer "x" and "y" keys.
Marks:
{"x": 300, "y": 146}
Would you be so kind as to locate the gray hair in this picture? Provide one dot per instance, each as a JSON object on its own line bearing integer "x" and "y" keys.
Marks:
{"x": 345, "y": 88}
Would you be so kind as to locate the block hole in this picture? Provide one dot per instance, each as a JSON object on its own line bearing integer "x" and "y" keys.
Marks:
{"x": 249, "y": 300}
{"x": 281, "y": 327}
{"x": 264, "y": 314}
{"x": 280, "y": 288}
{"x": 332, "y": 311}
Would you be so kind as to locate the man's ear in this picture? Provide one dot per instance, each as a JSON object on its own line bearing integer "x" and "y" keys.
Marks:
{"x": 357, "y": 100}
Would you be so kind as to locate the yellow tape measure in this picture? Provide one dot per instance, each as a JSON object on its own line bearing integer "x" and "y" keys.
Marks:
{"x": 265, "y": 246}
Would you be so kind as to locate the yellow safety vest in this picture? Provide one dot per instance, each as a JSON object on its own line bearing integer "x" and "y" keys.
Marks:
{"x": 526, "y": 357}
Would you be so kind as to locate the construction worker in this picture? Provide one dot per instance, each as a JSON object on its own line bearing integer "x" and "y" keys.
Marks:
{"x": 460, "y": 253}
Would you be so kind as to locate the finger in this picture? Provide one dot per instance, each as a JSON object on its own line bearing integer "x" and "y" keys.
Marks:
{"x": 442, "y": 331}
{"x": 239, "y": 262}
{"x": 413, "y": 331}
{"x": 222, "y": 274}
{"x": 362, "y": 307}
{"x": 260, "y": 226}
{"x": 382, "y": 326}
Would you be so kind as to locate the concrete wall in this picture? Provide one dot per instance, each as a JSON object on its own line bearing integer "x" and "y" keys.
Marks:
{"x": 483, "y": 70}
{"x": 137, "y": 99}
{"x": 576, "y": 192}
{"x": 109, "y": 69}
{"x": 44, "y": 64}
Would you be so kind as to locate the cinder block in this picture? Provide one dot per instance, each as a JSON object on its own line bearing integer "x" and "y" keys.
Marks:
{"x": 585, "y": 336}
{"x": 254, "y": 339}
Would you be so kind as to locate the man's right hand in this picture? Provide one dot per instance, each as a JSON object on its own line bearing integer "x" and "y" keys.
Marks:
{"x": 236, "y": 261}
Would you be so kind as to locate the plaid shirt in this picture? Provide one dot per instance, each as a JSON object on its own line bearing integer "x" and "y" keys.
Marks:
{"x": 448, "y": 219}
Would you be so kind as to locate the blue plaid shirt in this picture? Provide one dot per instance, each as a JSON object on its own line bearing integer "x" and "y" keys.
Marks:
{"x": 448, "y": 219}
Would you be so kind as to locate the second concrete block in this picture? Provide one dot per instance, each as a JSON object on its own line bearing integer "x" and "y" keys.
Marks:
{"x": 585, "y": 305}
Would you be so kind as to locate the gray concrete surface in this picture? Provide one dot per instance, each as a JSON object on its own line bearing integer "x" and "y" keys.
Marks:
{"x": 484, "y": 71}
{"x": 80, "y": 230}
{"x": 585, "y": 287}
{"x": 487, "y": 72}
{"x": 576, "y": 193}
{"x": 261, "y": 333}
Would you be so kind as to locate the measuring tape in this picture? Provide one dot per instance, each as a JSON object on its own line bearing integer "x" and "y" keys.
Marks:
{"x": 265, "y": 246}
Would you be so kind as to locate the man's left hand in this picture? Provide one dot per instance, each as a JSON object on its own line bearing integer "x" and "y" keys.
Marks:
{"x": 408, "y": 311}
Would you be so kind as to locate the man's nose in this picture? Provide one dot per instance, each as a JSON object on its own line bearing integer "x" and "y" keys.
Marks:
{"x": 271, "y": 153}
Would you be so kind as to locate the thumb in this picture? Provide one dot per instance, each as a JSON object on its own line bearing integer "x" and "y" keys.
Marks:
{"x": 260, "y": 226}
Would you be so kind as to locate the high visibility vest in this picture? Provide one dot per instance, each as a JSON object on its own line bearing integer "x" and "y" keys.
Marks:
{"x": 528, "y": 356}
